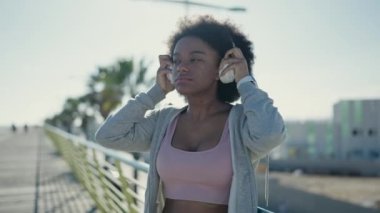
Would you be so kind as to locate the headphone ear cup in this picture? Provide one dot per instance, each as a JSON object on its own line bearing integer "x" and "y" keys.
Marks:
{"x": 170, "y": 77}
{"x": 228, "y": 76}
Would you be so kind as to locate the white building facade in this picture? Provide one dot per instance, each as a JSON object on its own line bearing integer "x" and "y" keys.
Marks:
{"x": 357, "y": 129}
{"x": 308, "y": 140}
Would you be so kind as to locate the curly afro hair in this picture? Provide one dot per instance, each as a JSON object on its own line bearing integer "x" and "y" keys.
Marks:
{"x": 221, "y": 36}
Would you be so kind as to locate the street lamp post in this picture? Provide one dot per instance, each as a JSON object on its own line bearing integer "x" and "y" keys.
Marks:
{"x": 188, "y": 3}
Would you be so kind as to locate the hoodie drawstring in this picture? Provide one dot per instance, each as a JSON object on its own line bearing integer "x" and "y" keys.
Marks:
{"x": 266, "y": 195}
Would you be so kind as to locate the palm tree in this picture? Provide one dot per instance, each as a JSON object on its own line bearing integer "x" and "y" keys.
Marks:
{"x": 107, "y": 88}
{"x": 67, "y": 116}
{"x": 110, "y": 84}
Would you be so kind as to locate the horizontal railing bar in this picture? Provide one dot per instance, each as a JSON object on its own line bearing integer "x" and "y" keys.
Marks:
{"x": 115, "y": 199}
{"x": 114, "y": 190}
{"x": 115, "y": 154}
{"x": 136, "y": 208}
{"x": 115, "y": 206}
{"x": 110, "y": 176}
{"x": 135, "y": 182}
{"x": 134, "y": 195}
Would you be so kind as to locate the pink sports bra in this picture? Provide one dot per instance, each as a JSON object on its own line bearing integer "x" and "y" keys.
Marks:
{"x": 203, "y": 176}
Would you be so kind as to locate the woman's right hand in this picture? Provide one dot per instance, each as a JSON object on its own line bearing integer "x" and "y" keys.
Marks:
{"x": 163, "y": 72}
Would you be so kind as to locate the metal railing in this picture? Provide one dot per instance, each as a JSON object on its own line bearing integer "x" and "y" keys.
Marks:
{"x": 117, "y": 184}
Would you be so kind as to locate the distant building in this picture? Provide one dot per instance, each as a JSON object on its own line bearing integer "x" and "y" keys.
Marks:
{"x": 357, "y": 129}
{"x": 348, "y": 144}
{"x": 308, "y": 140}
{"x": 353, "y": 133}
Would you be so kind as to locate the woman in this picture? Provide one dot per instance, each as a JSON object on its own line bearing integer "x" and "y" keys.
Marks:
{"x": 203, "y": 156}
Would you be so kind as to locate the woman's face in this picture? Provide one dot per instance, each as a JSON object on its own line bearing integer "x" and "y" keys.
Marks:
{"x": 195, "y": 66}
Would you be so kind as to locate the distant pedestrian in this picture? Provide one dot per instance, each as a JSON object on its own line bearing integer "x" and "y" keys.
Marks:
{"x": 13, "y": 128}
{"x": 26, "y": 128}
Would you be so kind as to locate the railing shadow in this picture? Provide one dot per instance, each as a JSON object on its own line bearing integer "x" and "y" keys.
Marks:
{"x": 284, "y": 199}
{"x": 58, "y": 196}
{"x": 58, "y": 189}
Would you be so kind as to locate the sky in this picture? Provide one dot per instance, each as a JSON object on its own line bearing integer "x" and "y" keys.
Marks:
{"x": 309, "y": 54}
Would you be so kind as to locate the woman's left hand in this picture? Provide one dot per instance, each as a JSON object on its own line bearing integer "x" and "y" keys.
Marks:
{"x": 234, "y": 59}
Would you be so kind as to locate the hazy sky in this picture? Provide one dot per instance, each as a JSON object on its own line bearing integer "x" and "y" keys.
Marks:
{"x": 310, "y": 54}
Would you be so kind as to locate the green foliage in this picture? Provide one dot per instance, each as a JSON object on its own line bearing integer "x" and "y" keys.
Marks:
{"x": 107, "y": 87}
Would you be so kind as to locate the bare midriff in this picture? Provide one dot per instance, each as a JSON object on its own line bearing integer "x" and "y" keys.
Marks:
{"x": 186, "y": 206}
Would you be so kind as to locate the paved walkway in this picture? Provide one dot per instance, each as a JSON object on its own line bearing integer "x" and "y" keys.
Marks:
{"x": 33, "y": 178}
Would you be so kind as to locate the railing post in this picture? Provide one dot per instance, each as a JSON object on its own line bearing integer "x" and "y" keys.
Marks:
{"x": 102, "y": 181}
{"x": 90, "y": 181}
{"x": 77, "y": 162}
{"x": 125, "y": 187}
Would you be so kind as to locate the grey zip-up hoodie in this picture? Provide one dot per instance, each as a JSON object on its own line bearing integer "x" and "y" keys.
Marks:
{"x": 255, "y": 128}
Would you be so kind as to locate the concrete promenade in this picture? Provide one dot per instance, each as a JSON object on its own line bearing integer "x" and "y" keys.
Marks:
{"x": 33, "y": 178}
